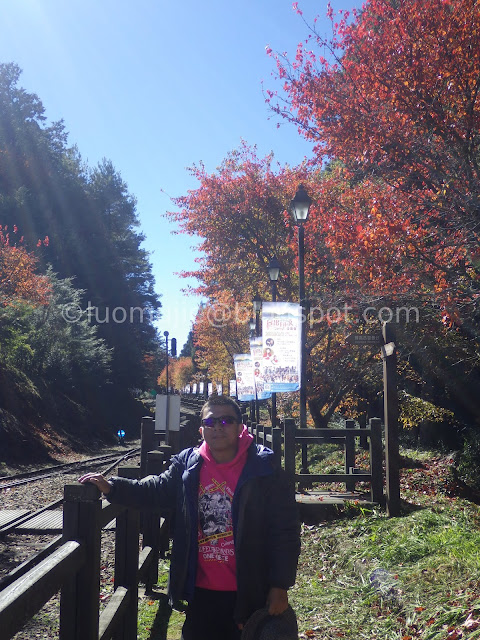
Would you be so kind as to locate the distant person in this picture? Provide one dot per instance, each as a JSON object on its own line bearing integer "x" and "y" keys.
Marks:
{"x": 236, "y": 534}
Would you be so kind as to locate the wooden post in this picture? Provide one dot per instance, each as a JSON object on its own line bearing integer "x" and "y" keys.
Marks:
{"x": 289, "y": 444}
{"x": 126, "y": 561}
{"x": 376, "y": 469}
{"x": 151, "y": 523}
{"x": 80, "y": 596}
{"x": 267, "y": 431}
{"x": 148, "y": 442}
{"x": 390, "y": 400}
{"x": 349, "y": 453}
{"x": 277, "y": 434}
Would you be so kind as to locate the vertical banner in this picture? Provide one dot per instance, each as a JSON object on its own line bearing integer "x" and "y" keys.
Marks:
{"x": 281, "y": 335}
{"x": 244, "y": 375}
{"x": 233, "y": 387}
{"x": 194, "y": 388}
{"x": 256, "y": 349}
{"x": 201, "y": 389}
{"x": 210, "y": 388}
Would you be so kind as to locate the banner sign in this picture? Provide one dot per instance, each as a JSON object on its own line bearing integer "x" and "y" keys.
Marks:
{"x": 281, "y": 336}
{"x": 233, "y": 387}
{"x": 219, "y": 388}
{"x": 210, "y": 388}
{"x": 244, "y": 375}
{"x": 201, "y": 389}
{"x": 194, "y": 390}
{"x": 256, "y": 349}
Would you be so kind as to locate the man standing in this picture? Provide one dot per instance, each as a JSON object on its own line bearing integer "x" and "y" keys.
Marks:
{"x": 236, "y": 531}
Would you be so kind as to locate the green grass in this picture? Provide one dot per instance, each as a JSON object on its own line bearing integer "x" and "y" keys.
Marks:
{"x": 363, "y": 576}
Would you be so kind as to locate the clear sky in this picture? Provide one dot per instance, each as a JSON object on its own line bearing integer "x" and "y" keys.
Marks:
{"x": 156, "y": 86}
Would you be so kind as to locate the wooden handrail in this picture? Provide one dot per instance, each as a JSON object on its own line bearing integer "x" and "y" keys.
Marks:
{"x": 21, "y": 600}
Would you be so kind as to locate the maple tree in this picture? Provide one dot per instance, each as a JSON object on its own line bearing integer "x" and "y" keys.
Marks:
{"x": 239, "y": 212}
{"x": 393, "y": 96}
{"x": 19, "y": 281}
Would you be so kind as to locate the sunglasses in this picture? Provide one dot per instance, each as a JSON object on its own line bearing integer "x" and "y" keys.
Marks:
{"x": 223, "y": 421}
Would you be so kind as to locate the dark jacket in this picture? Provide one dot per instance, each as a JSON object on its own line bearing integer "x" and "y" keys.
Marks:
{"x": 265, "y": 524}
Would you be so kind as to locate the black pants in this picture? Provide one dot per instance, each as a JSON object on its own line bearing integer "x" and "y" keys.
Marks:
{"x": 210, "y": 616}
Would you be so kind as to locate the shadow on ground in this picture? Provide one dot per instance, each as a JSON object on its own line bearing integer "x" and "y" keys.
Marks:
{"x": 159, "y": 629}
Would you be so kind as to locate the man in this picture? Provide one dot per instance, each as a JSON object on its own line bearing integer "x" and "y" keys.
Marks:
{"x": 236, "y": 531}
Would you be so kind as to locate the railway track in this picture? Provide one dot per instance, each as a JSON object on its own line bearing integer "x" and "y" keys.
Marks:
{"x": 7, "y": 482}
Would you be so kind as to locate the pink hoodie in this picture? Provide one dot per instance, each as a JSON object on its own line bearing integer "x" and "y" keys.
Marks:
{"x": 216, "y": 551}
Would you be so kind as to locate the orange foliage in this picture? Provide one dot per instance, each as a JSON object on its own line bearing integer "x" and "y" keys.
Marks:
{"x": 18, "y": 280}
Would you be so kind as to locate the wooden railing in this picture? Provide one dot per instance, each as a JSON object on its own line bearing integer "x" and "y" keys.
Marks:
{"x": 74, "y": 570}
{"x": 284, "y": 443}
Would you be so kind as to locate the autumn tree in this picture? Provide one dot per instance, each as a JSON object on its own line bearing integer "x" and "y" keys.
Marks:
{"x": 390, "y": 103}
{"x": 240, "y": 214}
{"x": 19, "y": 279}
{"x": 393, "y": 96}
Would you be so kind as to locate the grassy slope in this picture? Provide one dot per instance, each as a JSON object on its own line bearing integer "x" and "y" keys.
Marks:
{"x": 365, "y": 576}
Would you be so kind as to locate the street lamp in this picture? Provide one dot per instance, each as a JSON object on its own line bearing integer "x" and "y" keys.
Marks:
{"x": 274, "y": 272}
{"x": 300, "y": 207}
{"x": 167, "y": 414}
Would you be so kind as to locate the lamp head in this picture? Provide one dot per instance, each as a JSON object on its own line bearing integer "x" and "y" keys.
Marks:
{"x": 273, "y": 269}
{"x": 300, "y": 204}
{"x": 257, "y": 303}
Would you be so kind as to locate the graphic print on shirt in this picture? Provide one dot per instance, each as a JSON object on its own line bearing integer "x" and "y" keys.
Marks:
{"x": 215, "y": 522}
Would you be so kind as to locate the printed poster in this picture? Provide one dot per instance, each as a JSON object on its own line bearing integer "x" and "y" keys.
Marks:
{"x": 256, "y": 349}
{"x": 281, "y": 336}
{"x": 233, "y": 387}
{"x": 244, "y": 375}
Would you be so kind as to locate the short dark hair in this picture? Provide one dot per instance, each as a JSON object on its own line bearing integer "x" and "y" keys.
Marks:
{"x": 215, "y": 401}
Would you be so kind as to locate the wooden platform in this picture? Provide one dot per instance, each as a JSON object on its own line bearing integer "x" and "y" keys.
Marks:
{"x": 9, "y": 515}
{"x": 331, "y": 497}
{"x": 46, "y": 522}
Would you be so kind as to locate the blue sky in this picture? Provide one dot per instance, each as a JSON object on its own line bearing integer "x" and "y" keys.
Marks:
{"x": 157, "y": 86}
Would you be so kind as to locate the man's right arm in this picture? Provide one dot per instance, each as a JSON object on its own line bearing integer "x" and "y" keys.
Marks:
{"x": 154, "y": 492}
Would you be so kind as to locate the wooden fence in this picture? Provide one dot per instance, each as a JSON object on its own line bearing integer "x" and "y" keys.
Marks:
{"x": 73, "y": 568}
{"x": 284, "y": 443}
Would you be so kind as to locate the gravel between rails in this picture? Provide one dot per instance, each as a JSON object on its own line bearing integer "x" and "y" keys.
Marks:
{"x": 16, "y": 548}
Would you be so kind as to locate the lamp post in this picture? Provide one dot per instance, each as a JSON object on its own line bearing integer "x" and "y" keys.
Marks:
{"x": 273, "y": 273}
{"x": 300, "y": 207}
{"x": 257, "y": 306}
{"x": 167, "y": 416}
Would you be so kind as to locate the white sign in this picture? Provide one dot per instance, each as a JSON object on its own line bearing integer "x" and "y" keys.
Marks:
{"x": 233, "y": 387}
{"x": 173, "y": 412}
{"x": 244, "y": 375}
{"x": 256, "y": 349}
{"x": 281, "y": 338}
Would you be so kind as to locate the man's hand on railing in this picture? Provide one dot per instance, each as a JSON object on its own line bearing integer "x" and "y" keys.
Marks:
{"x": 98, "y": 480}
